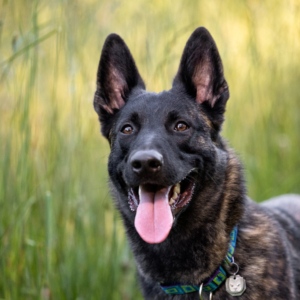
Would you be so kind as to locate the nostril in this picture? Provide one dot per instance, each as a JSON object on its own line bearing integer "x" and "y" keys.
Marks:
{"x": 154, "y": 164}
{"x": 136, "y": 165}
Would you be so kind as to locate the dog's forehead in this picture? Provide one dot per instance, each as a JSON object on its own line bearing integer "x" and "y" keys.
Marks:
{"x": 162, "y": 103}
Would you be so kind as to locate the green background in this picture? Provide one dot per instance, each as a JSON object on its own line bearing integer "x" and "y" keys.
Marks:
{"x": 60, "y": 237}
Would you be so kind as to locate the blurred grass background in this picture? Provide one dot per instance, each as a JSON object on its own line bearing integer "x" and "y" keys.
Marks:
{"x": 60, "y": 237}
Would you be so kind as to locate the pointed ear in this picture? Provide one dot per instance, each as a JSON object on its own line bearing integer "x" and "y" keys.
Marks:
{"x": 117, "y": 77}
{"x": 201, "y": 72}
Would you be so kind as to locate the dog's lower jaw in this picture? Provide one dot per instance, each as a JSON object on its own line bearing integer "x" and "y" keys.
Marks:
{"x": 156, "y": 208}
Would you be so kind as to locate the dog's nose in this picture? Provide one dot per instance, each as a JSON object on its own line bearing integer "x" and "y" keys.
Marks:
{"x": 148, "y": 161}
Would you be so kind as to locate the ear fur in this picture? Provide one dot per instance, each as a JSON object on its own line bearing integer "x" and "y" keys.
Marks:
{"x": 201, "y": 73}
{"x": 117, "y": 76}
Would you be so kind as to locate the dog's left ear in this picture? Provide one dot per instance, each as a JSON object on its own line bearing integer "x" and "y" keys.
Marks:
{"x": 201, "y": 73}
{"x": 117, "y": 77}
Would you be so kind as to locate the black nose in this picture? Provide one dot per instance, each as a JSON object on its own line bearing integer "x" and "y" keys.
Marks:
{"x": 146, "y": 161}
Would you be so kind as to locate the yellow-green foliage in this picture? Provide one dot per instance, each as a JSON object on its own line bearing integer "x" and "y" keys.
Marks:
{"x": 60, "y": 237}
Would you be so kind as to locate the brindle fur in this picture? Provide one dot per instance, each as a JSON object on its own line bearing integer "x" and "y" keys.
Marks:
{"x": 268, "y": 242}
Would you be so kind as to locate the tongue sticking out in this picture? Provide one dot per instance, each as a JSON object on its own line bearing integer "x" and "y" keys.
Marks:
{"x": 154, "y": 219}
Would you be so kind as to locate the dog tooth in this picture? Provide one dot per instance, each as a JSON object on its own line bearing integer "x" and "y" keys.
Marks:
{"x": 177, "y": 188}
{"x": 171, "y": 201}
{"x": 175, "y": 195}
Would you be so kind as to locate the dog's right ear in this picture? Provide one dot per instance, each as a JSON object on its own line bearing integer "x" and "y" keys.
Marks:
{"x": 116, "y": 78}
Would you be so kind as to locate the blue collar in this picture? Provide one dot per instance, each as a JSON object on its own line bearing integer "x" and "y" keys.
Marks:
{"x": 213, "y": 282}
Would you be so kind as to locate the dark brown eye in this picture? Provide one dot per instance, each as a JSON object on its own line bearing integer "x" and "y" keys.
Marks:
{"x": 181, "y": 126}
{"x": 127, "y": 129}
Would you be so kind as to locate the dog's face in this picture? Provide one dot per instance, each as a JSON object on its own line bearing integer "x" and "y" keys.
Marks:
{"x": 163, "y": 146}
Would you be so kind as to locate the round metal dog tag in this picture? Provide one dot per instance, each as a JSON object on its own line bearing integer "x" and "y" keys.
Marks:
{"x": 235, "y": 285}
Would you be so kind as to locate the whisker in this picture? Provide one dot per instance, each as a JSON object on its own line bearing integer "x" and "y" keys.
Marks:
{"x": 212, "y": 179}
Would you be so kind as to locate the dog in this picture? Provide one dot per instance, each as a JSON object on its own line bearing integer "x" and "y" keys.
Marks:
{"x": 180, "y": 189}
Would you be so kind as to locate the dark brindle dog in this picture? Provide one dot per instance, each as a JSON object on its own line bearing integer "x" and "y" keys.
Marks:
{"x": 180, "y": 189}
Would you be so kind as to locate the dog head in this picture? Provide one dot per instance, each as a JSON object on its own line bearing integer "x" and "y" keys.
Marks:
{"x": 165, "y": 147}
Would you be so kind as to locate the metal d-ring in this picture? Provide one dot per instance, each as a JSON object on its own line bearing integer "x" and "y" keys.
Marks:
{"x": 233, "y": 264}
{"x": 200, "y": 293}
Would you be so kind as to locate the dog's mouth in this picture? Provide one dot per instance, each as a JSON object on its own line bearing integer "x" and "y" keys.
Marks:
{"x": 156, "y": 207}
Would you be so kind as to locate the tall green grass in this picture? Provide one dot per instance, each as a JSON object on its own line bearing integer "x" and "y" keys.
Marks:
{"x": 60, "y": 237}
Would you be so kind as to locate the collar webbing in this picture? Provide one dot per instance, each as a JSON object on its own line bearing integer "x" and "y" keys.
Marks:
{"x": 213, "y": 282}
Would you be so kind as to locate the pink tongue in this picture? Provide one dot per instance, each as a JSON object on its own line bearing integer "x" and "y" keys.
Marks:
{"x": 154, "y": 219}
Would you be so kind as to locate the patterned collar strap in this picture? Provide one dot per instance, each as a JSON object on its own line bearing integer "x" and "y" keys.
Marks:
{"x": 213, "y": 282}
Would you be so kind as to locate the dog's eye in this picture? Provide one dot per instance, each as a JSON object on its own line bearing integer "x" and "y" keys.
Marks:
{"x": 127, "y": 129}
{"x": 181, "y": 126}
